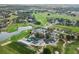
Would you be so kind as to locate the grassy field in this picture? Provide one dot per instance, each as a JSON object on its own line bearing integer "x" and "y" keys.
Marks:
{"x": 72, "y": 48}
{"x": 7, "y": 50}
{"x": 72, "y": 28}
{"x": 16, "y": 48}
{"x": 41, "y": 17}
{"x": 64, "y": 16}
{"x": 20, "y": 36}
{"x": 13, "y": 27}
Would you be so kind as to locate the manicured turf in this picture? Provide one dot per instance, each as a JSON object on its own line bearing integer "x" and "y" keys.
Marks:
{"x": 64, "y": 16}
{"x": 41, "y": 17}
{"x": 13, "y": 27}
{"x": 16, "y": 48}
{"x": 73, "y": 29}
{"x": 72, "y": 48}
{"x": 20, "y": 36}
{"x": 7, "y": 50}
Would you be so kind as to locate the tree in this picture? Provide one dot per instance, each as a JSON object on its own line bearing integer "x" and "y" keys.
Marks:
{"x": 78, "y": 37}
{"x": 61, "y": 36}
{"x": 47, "y": 36}
{"x": 38, "y": 23}
{"x": 72, "y": 37}
{"x": 48, "y": 14}
{"x": 46, "y": 51}
{"x": 39, "y": 35}
{"x": 68, "y": 37}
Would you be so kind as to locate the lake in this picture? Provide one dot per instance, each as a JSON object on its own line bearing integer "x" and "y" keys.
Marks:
{"x": 6, "y": 35}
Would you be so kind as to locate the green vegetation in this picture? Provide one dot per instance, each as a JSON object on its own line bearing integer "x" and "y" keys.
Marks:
{"x": 60, "y": 45}
{"x": 46, "y": 51}
{"x": 16, "y": 48}
{"x": 7, "y": 50}
{"x": 20, "y": 36}
{"x": 41, "y": 17}
{"x": 73, "y": 29}
{"x": 72, "y": 48}
{"x": 63, "y": 16}
{"x": 13, "y": 27}
{"x": 12, "y": 17}
{"x": 51, "y": 49}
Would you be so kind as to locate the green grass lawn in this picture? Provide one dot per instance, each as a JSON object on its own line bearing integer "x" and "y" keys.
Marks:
{"x": 13, "y": 27}
{"x": 41, "y": 17}
{"x": 72, "y": 28}
{"x": 7, "y": 50}
{"x": 64, "y": 16}
{"x": 20, "y": 35}
{"x": 54, "y": 48}
{"x": 72, "y": 48}
{"x": 16, "y": 48}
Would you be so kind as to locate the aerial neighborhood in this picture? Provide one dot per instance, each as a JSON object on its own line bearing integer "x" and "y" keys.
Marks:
{"x": 39, "y": 29}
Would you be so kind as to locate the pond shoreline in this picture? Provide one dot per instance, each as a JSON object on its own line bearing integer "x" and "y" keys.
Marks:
{"x": 6, "y": 35}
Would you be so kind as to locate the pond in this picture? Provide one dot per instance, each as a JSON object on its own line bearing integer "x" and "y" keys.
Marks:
{"x": 6, "y": 35}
